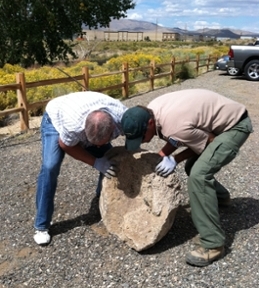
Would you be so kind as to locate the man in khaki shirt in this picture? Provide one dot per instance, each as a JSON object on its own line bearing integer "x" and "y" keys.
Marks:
{"x": 211, "y": 128}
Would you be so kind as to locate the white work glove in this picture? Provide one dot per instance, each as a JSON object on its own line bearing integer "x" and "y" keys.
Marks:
{"x": 166, "y": 166}
{"x": 107, "y": 167}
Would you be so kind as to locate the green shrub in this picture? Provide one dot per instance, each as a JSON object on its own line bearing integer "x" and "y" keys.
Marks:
{"x": 184, "y": 71}
{"x": 145, "y": 52}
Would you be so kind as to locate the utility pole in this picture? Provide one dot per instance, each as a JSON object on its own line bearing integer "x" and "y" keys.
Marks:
{"x": 156, "y": 31}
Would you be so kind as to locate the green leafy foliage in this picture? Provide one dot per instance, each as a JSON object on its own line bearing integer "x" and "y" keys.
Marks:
{"x": 186, "y": 71}
{"x": 34, "y": 31}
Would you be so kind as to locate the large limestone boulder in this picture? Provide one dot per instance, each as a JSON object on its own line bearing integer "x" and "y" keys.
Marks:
{"x": 139, "y": 206}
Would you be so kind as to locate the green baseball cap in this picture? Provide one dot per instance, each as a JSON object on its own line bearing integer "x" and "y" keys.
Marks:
{"x": 134, "y": 124}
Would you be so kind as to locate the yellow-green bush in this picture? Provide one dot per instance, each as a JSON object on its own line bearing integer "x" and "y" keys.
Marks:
{"x": 8, "y": 99}
{"x": 8, "y": 68}
{"x": 142, "y": 58}
{"x": 109, "y": 80}
{"x": 186, "y": 71}
{"x": 134, "y": 60}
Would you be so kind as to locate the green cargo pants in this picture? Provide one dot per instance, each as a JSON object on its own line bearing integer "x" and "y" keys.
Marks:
{"x": 204, "y": 190}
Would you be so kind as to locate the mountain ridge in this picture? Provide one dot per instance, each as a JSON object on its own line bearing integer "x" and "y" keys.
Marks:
{"x": 143, "y": 26}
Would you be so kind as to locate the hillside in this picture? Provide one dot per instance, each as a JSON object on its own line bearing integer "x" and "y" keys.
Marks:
{"x": 143, "y": 26}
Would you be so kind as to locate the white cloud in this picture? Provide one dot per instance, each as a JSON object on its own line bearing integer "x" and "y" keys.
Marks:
{"x": 198, "y": 13}
{"x": 135, "y": 16}
{"x": 204, "y": 24}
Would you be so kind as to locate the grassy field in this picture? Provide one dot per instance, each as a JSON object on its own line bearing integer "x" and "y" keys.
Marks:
{"x": 101, "y": 51}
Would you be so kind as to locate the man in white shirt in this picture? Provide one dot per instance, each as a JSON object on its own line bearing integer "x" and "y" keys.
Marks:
{"x": 81, "y": 124}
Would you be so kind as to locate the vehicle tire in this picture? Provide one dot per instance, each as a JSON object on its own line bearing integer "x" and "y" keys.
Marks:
{"x": 252, "y": 70}
{"x": 233, "y": 71}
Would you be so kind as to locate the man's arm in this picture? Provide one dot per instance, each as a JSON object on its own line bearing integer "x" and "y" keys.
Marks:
{"x": 188, "y": 153}
{"x": 185, "y": 154}
{"x": 78, "y": 152}
{"x": 167, "y": 150}
{"x": 210, "y": 138}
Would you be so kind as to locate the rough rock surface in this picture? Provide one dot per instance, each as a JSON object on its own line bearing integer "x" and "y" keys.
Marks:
{"x": 139, "y": 206}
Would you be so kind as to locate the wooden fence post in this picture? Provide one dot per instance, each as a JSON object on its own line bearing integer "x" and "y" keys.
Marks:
{"x": 86, "y": 77}
{"x": 208, "y": 63}
{"x": 172, "y": 69}
{"x": 197, "y": 64}
{"x": 152, "y": 74}
{"x": 125, "y": 80}
{"x": 22, "y": 101}
{"x": 20, "y": 86}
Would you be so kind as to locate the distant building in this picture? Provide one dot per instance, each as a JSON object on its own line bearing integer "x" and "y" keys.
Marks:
{"x": 155, "y": 35}
{"x": 81, "y": 36}
{"x": 192, "y": 37}
{"x": 170, "y": 36}
{"x": 123, "y": 36}
{"x": 249, "y": 37}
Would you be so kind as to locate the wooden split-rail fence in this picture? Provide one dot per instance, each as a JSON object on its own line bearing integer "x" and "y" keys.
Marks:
{"x": 21, "y": 86}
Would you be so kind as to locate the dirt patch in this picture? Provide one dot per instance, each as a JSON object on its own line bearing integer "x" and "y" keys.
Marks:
{"x": 15, "y": 258}
{"x": 14, "y": 127}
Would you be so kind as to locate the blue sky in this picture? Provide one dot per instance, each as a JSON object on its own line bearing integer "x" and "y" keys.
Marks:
{"x": 199, "y": 14}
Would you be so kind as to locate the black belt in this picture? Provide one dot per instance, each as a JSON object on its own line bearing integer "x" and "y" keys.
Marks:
{"x": 244, "y": 116}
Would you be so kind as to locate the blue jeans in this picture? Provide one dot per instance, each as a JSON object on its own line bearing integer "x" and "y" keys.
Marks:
{"x": 52, "y": 157}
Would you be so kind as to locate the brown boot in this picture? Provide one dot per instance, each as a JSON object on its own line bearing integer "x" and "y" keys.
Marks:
{"x": 202, "y": 257}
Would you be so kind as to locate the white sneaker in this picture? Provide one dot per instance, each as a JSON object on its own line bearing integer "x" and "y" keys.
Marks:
{"x": 42, "y": 237}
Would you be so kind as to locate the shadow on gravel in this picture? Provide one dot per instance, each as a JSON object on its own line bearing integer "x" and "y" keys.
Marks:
{"x": 241, "y": 215}
{"x": 93, "y": 216}
{"x": 223, "y": 74}
{"x": 239, "y": 77}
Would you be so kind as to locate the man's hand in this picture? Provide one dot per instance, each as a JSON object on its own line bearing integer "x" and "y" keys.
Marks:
{"x": 166, "y": 166}
{"x": 106, "y": 167}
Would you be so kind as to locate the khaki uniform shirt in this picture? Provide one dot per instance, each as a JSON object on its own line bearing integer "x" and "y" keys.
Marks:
{"x": 186, "y": 117}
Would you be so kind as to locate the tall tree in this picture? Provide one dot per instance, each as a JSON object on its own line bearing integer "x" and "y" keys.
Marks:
{"x": 37, "y": 31}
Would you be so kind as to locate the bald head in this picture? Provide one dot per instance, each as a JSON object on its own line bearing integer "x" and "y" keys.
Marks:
{"x": 99, "y": 126}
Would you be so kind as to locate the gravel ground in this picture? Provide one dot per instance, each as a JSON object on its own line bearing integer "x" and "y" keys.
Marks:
{"x": 83, "y": 254}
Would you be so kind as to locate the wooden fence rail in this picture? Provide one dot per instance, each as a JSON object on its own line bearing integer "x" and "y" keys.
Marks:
{"x": 21, "y": 86}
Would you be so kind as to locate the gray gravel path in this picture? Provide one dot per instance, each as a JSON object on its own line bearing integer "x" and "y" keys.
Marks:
{"x": 83, "y": 254}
